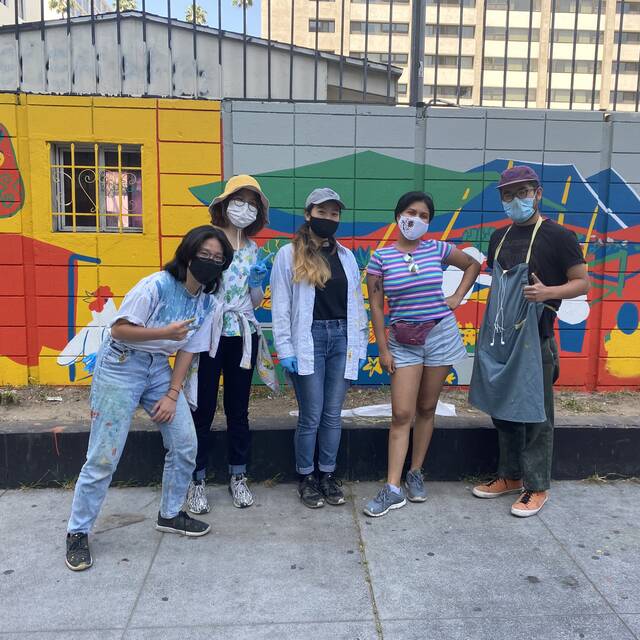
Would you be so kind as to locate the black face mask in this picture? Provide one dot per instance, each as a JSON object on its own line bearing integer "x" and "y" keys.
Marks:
{"x": 205, "y": 271}
{"x": 323, "y": 227}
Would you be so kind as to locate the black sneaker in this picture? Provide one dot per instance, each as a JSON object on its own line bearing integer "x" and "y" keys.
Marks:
{"x": 330, "y": 487}
{"x": 78, "y": 553}
{"x": 183, "y": 524}
{"x": 309, "y": 492}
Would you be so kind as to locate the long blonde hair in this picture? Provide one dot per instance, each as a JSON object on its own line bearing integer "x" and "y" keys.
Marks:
{"x": 308, "y": 262}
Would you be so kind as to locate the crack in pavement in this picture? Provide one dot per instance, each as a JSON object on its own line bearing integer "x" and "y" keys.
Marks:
{"x": 365, "y": 566}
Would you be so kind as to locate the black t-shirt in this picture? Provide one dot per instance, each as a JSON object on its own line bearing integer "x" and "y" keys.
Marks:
{"x": 555, "y": 251}
{"x": 331, "y": 302}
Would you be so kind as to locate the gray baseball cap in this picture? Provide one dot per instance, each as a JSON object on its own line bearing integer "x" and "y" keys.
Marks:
{"x": 323, "y": 194}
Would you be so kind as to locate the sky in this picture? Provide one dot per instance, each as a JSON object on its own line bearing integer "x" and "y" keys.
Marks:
{"x": 231, "y": 16}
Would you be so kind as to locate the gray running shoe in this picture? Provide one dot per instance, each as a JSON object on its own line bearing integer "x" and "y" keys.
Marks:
{"x": 242, "y": 496}
{"x": 197, "y": 502}
{"x": 384, "y": 501}
{"x": 414, "y": 484}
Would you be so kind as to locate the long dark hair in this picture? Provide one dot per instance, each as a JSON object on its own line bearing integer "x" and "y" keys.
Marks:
{"x": 409, "y": 198}
{"x": 189, "y": 247}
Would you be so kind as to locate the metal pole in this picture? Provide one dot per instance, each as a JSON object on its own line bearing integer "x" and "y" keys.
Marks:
{"x": 595, "y": 57}
{"x": 416, "y": 83}
{"x": 291, "y": 51}
{"x": 505, "y": 59}
{"x": 244, "y": 49}
{"x": 484, "y": 40}
{"x": 315, "y": 55}
{"x": 615, "y": 86}
{"x": 460, "y": 25}
{"x": 551, "y": 41}
{"x": 341, "y": 72}
{"x": 389, "y": 52}
{"x": 528, "y": 80}
{"x": 573, "y": 54}
{"x": 269, "y": 49}
{"x": 365, "y": 62}
{"x": 436, "y": 57}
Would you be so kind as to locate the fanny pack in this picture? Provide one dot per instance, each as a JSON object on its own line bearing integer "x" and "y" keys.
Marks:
{"x": 413, "y": 333}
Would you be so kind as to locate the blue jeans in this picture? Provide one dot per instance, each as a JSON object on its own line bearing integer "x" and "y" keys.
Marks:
{"x": 123, "y": 379}
{"x": 320, "y": 398}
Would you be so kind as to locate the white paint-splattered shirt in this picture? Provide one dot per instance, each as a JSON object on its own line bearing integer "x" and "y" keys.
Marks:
{"x": 159, "y": 300}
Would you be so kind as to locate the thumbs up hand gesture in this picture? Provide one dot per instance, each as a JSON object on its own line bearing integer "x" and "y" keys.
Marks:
{"x": 537, "y": 292}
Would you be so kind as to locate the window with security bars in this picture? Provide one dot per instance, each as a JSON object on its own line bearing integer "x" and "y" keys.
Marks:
{"x": 96, "y": 188}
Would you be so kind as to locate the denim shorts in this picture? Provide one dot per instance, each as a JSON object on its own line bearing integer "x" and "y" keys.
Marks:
{"x": 443, "y": 346}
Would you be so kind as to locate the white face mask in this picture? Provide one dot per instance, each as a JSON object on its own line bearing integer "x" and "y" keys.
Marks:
{"x": 412, "y": 227}
{"x": 241, "y": 214}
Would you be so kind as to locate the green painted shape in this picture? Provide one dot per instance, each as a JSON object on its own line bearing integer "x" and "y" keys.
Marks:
{"x": 380, "y": 180}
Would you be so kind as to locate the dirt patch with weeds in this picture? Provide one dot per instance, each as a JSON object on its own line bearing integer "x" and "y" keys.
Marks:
{"x": 70, "y": 404}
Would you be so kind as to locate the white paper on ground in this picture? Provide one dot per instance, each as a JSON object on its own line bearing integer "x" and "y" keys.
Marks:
{"x": 384, "y": 411}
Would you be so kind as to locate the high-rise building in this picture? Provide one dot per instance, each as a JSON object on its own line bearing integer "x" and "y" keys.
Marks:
{"x": 561, "y": 53}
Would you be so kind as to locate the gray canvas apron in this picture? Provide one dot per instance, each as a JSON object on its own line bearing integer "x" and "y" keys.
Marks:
{"x": 507, "y": 381}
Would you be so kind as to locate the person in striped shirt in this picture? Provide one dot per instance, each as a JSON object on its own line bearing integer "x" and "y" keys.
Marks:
{"x": 423, "y": 342}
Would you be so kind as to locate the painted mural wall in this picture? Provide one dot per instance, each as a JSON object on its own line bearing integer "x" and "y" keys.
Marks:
{"x": 81, "y": 223}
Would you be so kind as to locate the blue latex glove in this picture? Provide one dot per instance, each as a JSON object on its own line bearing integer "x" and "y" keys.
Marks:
{"x": 361, "y": 363}
{"x": 290, "y": 364}
{"x": 259, "y": 271}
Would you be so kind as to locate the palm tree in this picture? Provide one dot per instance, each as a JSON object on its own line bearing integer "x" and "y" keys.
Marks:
{"x": 126, "y": 5}
{"x": 60, "y": 6}
{"x": 201, "y": 14}
{"x": 239, "y": 3}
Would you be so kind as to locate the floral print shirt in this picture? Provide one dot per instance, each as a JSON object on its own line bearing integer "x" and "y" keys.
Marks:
{"x": 234, "y": 291}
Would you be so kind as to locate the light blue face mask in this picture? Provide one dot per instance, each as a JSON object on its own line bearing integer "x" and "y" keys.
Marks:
{"x": 520, "y": 209}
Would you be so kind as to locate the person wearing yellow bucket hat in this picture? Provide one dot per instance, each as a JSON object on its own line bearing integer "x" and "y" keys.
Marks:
{"x": 236, "y": 343}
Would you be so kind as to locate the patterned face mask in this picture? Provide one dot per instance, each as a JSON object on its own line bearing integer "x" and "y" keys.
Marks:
{"x": 412, "y": 227}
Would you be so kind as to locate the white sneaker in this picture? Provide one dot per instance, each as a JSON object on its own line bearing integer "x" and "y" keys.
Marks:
{"x": 242, "y": 496}
{"x": 197, "y": 502}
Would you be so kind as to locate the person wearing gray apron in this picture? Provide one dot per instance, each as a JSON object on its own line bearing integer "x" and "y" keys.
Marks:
{"x": 536, "y": 263}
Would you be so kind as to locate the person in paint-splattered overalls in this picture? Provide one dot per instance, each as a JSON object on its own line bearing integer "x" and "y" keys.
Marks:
{"x": 163, "y": 314}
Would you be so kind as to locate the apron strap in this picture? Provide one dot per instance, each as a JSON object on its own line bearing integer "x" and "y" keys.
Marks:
{"x": 533, "y": 237}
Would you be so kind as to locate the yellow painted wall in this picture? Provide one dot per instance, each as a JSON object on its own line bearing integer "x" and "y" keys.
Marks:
{"x": 181, "y": 147}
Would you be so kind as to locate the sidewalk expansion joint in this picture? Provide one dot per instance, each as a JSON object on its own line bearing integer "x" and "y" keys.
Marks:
{"x": 142, "y": 585}
{"x": 365, "y": 566}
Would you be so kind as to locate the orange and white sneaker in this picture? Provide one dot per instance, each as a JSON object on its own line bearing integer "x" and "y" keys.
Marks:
{"x": 498, "y": 487}
{"x": 529, "y": 503}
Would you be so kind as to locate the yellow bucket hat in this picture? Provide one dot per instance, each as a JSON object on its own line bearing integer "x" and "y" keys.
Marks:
{"x": 236, "y": 183}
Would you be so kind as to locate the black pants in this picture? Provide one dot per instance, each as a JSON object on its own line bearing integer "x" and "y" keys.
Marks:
{"x": 237, "y": 388}
{"x": 526, "y": 448}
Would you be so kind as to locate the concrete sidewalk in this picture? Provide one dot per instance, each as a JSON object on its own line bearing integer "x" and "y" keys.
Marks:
{"x": 454, "y": 568}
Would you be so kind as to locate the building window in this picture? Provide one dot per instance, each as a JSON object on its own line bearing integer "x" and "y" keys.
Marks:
{"x": 625, "y": 67}
{"x": 582, "y": 36}
{"x": 323, "y": 26}
{"x": 513, "y": 64}
{"x": 379, "y": 27}
{"x": 450, "y": 31}
{"x": 629, "y": 7}
{"x": 579, "y": 95}
{"x": 584, "y": 6}
{"x": 628, "y": 37}
{"x": 580, "y": 66}
{"x": 448, "y": 91}
{"x": 511, "y": 94}
{"x": 516, "y": 34}
{"x": 466, "y": 62}
{"x": 374, "y": 56}
{"x": 96, "y": 188}
{"x": 452, "y": 3}
{"x": 380, "y": 2}
{"x": 625, "y": 97}
{"x": 402, "y": 88}
{"x": 514, "y": 5}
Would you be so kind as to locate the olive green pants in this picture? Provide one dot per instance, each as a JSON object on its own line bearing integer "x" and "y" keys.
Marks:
{"x": 526, "y": 448}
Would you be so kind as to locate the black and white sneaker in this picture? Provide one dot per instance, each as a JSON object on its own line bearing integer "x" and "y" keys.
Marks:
{"x": 309, "y": 492}
{"x": 330, "y": 487}
{"x": 183, "y": 524}
{"x": 78, "y": 552}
